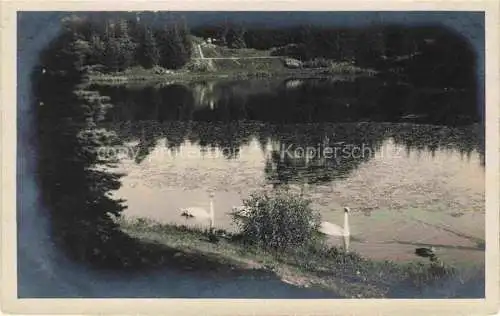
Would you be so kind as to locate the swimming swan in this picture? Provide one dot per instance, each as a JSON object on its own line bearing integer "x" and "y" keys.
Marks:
{"x": 200, "y": 213}
{"x": 330, "y": 229}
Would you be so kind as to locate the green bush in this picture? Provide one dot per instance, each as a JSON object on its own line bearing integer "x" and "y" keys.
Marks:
{"x": 278, "y": 222}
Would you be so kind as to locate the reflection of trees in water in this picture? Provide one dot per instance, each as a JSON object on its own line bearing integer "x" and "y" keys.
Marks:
{"x": 171, "y": 102}
{"x": 204, "y": 93}
{"x": 280, "y": 166}
{"x": 313, "y": 100}
{"x": 228, "y": 100}
{"x": 430, "y": 138}
{"x": 229, "y": 138}
{"x": 235, "y": 135}
{"x": 321, "y": 153}
{"x": 335, "y": 149}
{"x": 178, "y": 103}
{"x": 148, "y": 137}
{"x": 223, "y": 116}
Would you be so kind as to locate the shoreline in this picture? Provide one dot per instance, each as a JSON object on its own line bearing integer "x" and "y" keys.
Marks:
{"x": 148, "y": 76}
{"x": 345, "y": 274}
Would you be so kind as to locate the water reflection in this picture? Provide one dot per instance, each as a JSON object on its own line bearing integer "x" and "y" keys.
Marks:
{"x": 297, "y": 153}
{"x": 367, "y": 144}
{"x": 293, "y": 101}
{"x": 295, "y": 116}
{"x": 392, "y": 181}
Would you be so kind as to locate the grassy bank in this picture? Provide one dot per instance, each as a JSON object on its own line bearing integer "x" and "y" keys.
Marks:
{"x": 330, "y": 268}
{"x": 149, "y": 75}
{"x": 224, "y": 69}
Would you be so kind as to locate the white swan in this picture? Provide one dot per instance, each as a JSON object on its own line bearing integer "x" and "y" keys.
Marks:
{"x": 330, "y": 229}
{"x": 200, "y": 213}
{"x": 240, "y": 210}
{"x": 326, "y": 228}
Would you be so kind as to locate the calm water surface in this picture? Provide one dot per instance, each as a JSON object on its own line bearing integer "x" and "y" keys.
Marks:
{"x": 382, "y": 149}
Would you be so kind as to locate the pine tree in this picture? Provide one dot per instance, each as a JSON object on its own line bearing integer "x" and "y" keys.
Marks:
{"x": 119, "y": 47}
{"x": 73, "y": 184}
{"x": 184, "y": 34}
{"x": 126, "y": 45}
{"x": 307, "y": 39}
{"x": 173, "y": 51}
{"x": 162, "y": 38}
{"x": 222, "y": 34}
{"x": 235, "y": 37}
{"x": 112, "y": 54}
{"x": 97, "y": 49}
{"x": 148, "y": 54}
{"x": 178, "y": 51}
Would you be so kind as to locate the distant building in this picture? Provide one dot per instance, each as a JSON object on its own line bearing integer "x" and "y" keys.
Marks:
{"x": 292, "y": 63}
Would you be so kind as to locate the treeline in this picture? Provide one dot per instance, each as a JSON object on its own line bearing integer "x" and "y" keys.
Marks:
{"x": 118, "y": 44}
{"x": 428, "y": 55}
{"x": 431, "y": 55}
{"x": 377, "y": 41}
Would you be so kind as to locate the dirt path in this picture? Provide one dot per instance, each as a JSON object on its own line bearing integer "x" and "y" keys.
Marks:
{"x": 202, "y": 56}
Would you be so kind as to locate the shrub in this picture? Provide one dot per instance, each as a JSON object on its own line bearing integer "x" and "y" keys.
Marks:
{"x": 317, "y": 63}
{"x": 279, "y": 222}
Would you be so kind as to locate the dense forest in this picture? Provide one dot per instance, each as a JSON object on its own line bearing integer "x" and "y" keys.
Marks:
{"x": 115, "y": 45}
{"x": 430, "y": 55}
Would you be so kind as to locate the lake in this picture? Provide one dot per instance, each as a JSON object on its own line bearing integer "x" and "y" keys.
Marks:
{"x": 409, "y": 162}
